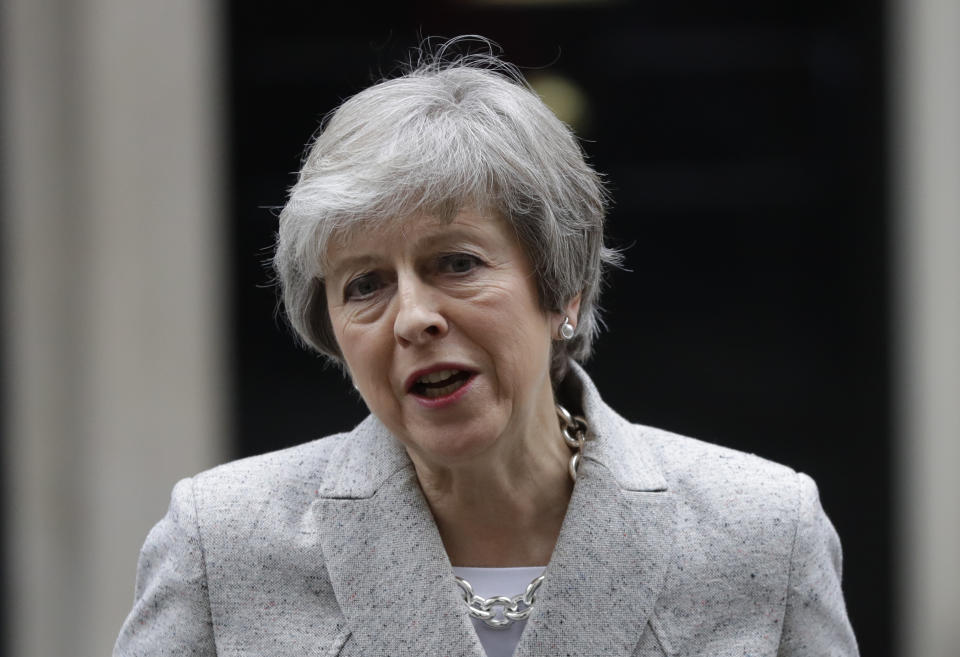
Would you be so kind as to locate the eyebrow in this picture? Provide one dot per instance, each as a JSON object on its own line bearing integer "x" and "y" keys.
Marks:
{"x": 454, "y": 235}
{"x": 350, "y": 262}
{"x": 428, "y": 241}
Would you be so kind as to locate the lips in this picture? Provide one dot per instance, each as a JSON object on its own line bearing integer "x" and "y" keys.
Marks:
{"x": 438, "y": 381}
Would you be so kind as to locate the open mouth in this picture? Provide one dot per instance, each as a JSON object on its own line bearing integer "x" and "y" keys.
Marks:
{"x": 440, "y": 384}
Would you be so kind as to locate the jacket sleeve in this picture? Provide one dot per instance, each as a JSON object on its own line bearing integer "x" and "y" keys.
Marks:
{"x": 171, "y": 610}
{"x": 815, "y": 621}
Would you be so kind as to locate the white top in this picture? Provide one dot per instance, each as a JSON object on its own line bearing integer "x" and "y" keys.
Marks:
{"x": 491, "y": 582}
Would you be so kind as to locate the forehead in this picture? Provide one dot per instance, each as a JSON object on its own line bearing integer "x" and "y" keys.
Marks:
{"x": 410, "y": 234}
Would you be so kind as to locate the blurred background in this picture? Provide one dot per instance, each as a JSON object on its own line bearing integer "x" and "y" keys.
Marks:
{"x": 785, "y": 185}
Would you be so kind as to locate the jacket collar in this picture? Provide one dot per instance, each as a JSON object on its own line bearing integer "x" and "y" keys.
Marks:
{"x": 619, "y": 446}
{"x": 394, "y": 581}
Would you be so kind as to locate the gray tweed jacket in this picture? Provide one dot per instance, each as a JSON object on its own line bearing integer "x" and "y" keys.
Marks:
{"x": 670, "y": 546}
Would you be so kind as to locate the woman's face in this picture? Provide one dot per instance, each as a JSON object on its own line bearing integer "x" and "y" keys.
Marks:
{"x": 440, "y": 325}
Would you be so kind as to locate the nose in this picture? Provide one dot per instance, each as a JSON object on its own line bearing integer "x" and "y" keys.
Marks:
{"x": 420, "y": 318}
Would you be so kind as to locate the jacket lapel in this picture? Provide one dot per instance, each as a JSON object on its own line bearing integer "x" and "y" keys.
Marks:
{"x": 606, "y": 571}
{"x": 384, "y": 555}
{"x": 616, "y": 543}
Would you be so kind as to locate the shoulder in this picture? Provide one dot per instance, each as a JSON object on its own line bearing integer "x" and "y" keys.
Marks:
{"x": 733, "y": 510}
{"x": 699, "y": 474}
{"x": 253, "y": 517}
{"x": 238, "y": 544}
{"x": 728, "y": 503}
{"x": 737, "y": 515}
{"x": 750, "y": 535}
{"x": 247, "y": 490}
{"x": 306, "y": 461}
{"x": 706, "y": 474}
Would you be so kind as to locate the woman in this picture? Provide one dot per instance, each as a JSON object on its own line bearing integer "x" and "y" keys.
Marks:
{"x": 444, "y": 245}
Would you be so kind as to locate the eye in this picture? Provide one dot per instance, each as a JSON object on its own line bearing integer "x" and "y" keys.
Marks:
{"x": 459, "y": 263}
{"x": 361, "y": 287}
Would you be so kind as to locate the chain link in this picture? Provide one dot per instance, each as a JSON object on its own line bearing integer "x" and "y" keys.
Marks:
{"x": 575, "y": 434}
{"x": 485, "y": 609}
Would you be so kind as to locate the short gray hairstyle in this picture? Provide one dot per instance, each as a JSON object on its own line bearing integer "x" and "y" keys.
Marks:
{"x": 449, "y": 132}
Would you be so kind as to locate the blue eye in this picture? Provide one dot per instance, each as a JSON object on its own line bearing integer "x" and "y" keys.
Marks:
{"x": 459, "y": 263}
{"x": 361, "y": 287}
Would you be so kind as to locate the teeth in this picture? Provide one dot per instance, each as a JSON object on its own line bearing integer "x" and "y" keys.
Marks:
{"x": 433, "y": 393}
{"x": 435, "y": 377}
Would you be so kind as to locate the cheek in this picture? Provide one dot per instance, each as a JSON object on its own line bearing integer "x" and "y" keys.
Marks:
{"x": 362, "y": 349}
{"x": 521, "y": 340}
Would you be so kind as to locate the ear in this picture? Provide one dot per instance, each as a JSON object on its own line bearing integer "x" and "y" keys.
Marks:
{"x": 571, "y": 311}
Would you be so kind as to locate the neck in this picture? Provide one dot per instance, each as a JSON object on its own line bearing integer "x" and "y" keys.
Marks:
{"x": 503, "y": 508}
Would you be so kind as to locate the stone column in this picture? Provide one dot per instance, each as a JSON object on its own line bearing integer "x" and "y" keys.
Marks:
{"x": 114, "y": 317}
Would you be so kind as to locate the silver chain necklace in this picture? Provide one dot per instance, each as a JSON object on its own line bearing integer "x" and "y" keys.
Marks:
{"x": 485, "y": 609}
{"x": 500, "y": 611}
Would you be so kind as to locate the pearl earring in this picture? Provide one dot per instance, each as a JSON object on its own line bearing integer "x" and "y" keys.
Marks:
{"x": 566, "y": 329}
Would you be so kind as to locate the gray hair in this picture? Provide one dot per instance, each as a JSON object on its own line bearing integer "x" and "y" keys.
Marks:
{"x": 448, "y": 133}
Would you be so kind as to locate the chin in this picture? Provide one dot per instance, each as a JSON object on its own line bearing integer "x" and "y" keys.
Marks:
{"x": 451, "y": 446}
